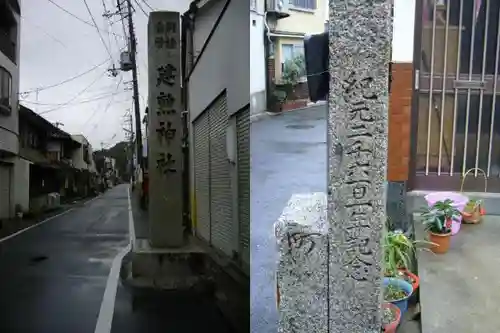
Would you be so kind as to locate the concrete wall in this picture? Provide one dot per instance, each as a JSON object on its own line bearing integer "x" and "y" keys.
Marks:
{"x": 22, "y": 181}
{"x": 303, "y": 20}
{"x": 9, "y": 125}
{"x": 77, "y": 156}
{"x": 204, "y": 22}
{"x": 229, "y": 69}
{"x": 257, "y": 61}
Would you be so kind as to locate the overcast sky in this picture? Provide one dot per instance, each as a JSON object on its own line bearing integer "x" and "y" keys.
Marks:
{"x": 56, "y": 46}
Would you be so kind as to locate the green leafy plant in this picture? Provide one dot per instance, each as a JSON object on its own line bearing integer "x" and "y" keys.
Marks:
{"x": 399, "y": 251}
{"x": 293, "y": 70}
{"x": 438, "y": 218}
{"x": 472, "y": 205}
{"x": 393, "y": 293}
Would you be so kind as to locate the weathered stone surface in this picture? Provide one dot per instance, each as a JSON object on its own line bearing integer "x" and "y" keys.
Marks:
{"x": 165, "y": 131}
{"x": 360, "y": 46}
{"x": 301, "y": 233}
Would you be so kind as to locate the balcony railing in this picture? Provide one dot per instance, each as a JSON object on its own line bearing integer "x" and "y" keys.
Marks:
{"x": 7, "y": 46}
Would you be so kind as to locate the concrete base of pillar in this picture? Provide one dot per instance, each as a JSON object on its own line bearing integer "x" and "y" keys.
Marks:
{"x": 192, "y": 268}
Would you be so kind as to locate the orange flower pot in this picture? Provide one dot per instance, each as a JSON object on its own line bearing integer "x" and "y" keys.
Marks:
{"x": 441, "y": 241}
{"x": 414, "y": 277}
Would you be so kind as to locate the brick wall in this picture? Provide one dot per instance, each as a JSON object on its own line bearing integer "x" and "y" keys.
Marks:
{"x": 400, "y": 122}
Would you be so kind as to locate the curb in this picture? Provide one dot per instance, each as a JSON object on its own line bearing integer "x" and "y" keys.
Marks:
{"x": 266, "y": 114}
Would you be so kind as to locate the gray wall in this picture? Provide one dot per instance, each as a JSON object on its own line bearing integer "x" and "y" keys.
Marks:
{"x": 224, "y": 63}
{"x": 9, "y": 126}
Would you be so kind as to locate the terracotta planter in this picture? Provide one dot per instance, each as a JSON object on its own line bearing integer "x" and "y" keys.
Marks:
{"x": 442, "y": 242}
{"x": 414, "y": 277}
{"x": 391, "y": 327}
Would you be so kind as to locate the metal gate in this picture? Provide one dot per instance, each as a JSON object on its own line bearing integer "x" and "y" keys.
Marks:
{"x": 212, "y": 175}
{"x": 5, "y": 179}
{"x": 243, "y": 145}
{"x": 201, "y": 152}
{"x": 221, "y": 197}
{"x": 456, "y": 110}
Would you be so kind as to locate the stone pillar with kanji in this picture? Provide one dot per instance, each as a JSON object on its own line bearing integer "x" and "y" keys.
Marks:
{"x": 165, "y": 131}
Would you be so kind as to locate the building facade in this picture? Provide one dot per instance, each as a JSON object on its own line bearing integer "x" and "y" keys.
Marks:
{"x": 258, "y": 99}
{"x": 287, "y": 34}
{"x": 218, "y": 105}
{"x": 10, "y": 25}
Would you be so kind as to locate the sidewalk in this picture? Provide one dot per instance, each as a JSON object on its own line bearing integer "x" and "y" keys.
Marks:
{"x": 11, "y": 226}
{"x": 267, "y": 114}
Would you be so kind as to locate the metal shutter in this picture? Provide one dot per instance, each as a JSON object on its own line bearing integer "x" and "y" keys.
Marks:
{"x": 243, "y": 135}
{"x": 221, "y": 211}
{"x": 201, "y": 129}
{"x": 4, "y": 192}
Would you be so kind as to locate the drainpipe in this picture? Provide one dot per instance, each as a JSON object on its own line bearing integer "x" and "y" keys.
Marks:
{"x": 266, "y": 59}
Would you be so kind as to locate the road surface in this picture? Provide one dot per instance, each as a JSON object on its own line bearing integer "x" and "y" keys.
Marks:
{"x": 289, "y": 156}
{"x": 53, "y": 276}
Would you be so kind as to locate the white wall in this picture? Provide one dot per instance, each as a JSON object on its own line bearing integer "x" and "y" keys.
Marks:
{"x": 257, "y": 61}
{"x": 22, "y": 181}
{"x": 77, "y": 156}
{"x": 224, "y": 64}
{"x": 402, "y": 37}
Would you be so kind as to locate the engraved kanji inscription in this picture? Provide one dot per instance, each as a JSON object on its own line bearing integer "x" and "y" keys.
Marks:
{"x": 169, "y": 43}
{"x": 165, "y": 28}
{"x": 165, "y": 100}
{"x": 166, "y": 75}
{"x": 166, "y": 131}
{"x": 165, "y": 163}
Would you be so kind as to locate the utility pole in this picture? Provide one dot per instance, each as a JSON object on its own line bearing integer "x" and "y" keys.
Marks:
{"x": 137, "y": 110}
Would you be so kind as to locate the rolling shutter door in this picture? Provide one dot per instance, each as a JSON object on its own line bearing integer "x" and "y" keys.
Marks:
{"x": 221, "y": 211}
{"x": 243, "y": 135}
{"x": 201, "y": 152}
{"x": 4, "y": 192}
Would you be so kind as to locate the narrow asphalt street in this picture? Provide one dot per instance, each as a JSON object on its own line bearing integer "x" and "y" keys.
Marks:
{"x": 53, "y": 276}
{"x": 289, "y": 156}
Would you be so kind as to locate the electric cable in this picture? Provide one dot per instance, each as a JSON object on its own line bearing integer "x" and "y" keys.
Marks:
{"x": 74, "y": 16}
{"x": 107, "y": 106}
{"x": 149, "y": 6}
{"x": 140, "y": 7}
{"x": 97, "y": 28}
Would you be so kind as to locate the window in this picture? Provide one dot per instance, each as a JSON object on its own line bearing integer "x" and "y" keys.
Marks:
{"x": 304, "y": 4}
{"x": 253, "y": 4}
{"x": 5, "y": 90}
{"x": 290, "y": 51}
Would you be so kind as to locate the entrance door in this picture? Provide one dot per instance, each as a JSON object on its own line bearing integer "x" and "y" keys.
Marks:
{"x": 457, "y": 112}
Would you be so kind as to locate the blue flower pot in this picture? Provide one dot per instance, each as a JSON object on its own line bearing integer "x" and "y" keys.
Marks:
{"x": 402, "y": 303}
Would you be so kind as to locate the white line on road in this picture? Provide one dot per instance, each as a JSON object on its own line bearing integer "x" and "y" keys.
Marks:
{"x": 34, "y": 225}
{"x": 105, "y": 319}
{"x": 44, "y": 221}
{"x": 107, "y": 310}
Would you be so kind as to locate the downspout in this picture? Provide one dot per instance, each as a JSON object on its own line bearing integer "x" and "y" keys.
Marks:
{"x": 267, "y": 54}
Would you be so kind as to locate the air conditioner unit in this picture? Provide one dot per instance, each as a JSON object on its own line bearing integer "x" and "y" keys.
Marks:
{"x": 278, "y": 8}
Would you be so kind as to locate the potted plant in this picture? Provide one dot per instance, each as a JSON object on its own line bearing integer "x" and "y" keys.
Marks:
{"x": 473, "y": 212}
{"x": 391, "y": 316}
{"x": 397, "y": 291}
{"x": 277, "y": 99}
{"x": 437, "y": 220}
{"x": 399, "y": 250}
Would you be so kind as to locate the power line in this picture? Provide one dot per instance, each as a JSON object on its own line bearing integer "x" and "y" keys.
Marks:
{"x": 80, "y": 92}
{"x": 67, "y": 80}
{"x": 147, "y": 4}
{"x": 107, "y": 106}
{"x": 98, "y": 31}
{"x": 45, "y": 32}
{"x": 79, "y": 103}
{"x": 78, "y": 18}
{"x": 140, "y": 7}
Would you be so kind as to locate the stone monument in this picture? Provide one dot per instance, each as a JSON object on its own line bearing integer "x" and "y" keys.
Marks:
{"x": 360, "y": 35}
{"x": 302, "y": 281}
{"x": 165, "y": 131}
